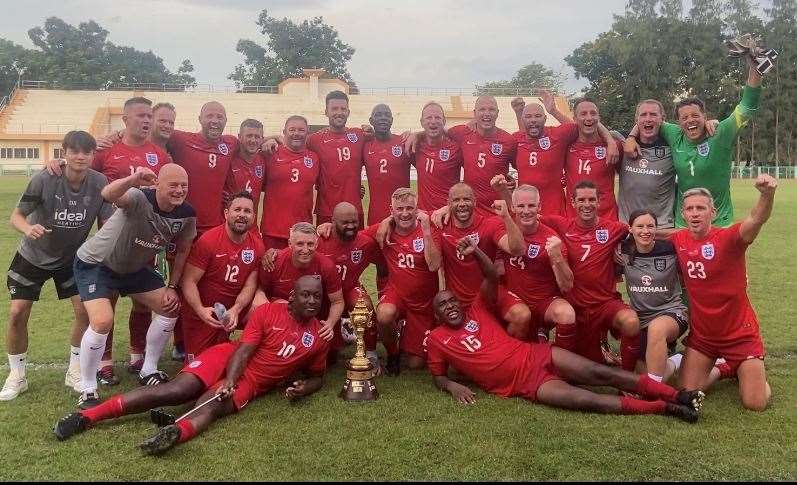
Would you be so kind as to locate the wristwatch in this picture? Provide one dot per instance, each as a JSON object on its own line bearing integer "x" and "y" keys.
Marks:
{"x": 172, "y": 286}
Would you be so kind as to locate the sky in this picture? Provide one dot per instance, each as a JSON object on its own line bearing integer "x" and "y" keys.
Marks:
{"x": 412, "y": 43}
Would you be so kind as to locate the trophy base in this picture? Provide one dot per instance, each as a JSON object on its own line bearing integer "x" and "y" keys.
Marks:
{"x": 358, "y": 386}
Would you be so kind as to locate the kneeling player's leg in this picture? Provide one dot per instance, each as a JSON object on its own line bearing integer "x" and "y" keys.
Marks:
{"x": 661, "y": 332}
{"x": 516, "y": 314}
{"x": 754, "y": 389}
{"x": 160, "y": 329}
{"x": 627, "y": 322}
{"x": 581, "y": 371}
{"x": 561, "y": 314}
{"x": 695, "y": 369}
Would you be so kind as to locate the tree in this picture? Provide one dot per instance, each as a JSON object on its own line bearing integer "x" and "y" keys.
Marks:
{"x": 290, "y": 48}
{"x": 533, "y": 75}
{"x": 13, "y": 58}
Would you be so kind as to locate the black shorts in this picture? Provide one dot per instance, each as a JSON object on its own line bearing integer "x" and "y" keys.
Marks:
{"x": 98, "y": 281}
{"x": 25, "y": 280}
{"x": 680, "y": 317}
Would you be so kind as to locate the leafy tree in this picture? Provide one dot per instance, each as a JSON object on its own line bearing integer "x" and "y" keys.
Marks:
{"x": 290, "y": 48}
{"x": 12, "y": 56}
{"x": 533, "y": 75}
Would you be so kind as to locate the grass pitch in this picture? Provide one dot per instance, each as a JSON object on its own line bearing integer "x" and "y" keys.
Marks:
{"x": 415, "y": 432}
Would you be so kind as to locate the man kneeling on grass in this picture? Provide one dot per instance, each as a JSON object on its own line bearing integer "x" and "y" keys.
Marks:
{"x": 279, "y": 340}
{"x": 476, "y": 345}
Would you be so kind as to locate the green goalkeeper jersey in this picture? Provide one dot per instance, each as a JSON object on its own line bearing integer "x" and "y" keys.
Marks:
{"x": 708, "y": 163}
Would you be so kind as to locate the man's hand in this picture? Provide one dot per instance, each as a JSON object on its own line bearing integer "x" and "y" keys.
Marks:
{"x": 612, "y": 154}
{"x": 548, "y": 101}
{"x": 424, "y": 220}
{"x": 324, "y": 230}
{"x": 227, "y": 389}
{"x": 500, "y": 208}
{"x": 327, "y": 330}
{"x": 553, "y": 246}
{"x": 499, "y": 183}
{"x": 55, "y": 166}
{"x": 368, "y": 130}
{"x": 230, "y": 321}
{"x": 631, "y": 148}
{"x": 267, "y": 261}
{"x": 440, "y": 216}
{"x": 471, "y": 124}
{"x": 296, "y": 390}
{"x": 362, "y": 191}
{"x": 109, "y": 140}
{"x": 383, "y": 232}
{"x": 461, "y": 394}
{"x": 410, "y": 143}
{"x": 170, "y": 301}
{"x": 466, "y": 246}
{"x": 208, "y": 317}
{"x": 269, "y": 146}
{"x": 144, "y": 177}
{"x": 517, "y": 105}
{"x": 511, "y": 183}
{"x": 711, "y": 127}
{"x": 36, "y": 231}
{"x": 766, "y": 184}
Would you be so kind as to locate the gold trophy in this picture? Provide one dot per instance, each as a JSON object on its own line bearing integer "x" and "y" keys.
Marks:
{"x": 359, "y": 370}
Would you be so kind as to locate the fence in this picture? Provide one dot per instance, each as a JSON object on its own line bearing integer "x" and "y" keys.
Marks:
{"x": 777, "y": 171}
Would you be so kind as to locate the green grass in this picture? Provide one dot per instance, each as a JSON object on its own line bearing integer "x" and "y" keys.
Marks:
{"x": 415, "y": 432}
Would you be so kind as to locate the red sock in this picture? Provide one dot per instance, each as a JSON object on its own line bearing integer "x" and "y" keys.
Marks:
{"x": 138, "y": 323}
{"x": 113, "y": 407}
{"x": 178, "y": 333}
{"x": 187, "y": 430}
{"x": 647, "y": 387}
{"x": 725, "y": 370}
{"x": 370, "y": 337}
{"x": 629, "y": 405}
{"x": 108, "y": 354}
{"x": 629, "y": 352}
{"x": 566, "y": 336}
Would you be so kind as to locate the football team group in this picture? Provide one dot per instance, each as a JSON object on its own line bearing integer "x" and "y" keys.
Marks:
{"x": 475, "y": 271}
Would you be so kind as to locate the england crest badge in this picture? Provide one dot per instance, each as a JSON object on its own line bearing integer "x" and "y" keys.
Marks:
{"x": 602, "y": 236}
{"x": 152, "y": 159}
{"x": 660, "y": 264}
{"x": 545, "y": 143}
{"x": 247, "y": 256}
{"x": 659, "y": 152}
{"x": 308, "y": 339}
{"x": 259, "y": 171}
{"x": 444, "y": 154}
{"x": 600, "y": 153}
{"x": 308, "y": 162}
{"x": 356, "y": 256}
{"x": 474, "y": 237}
{"x": 496, "y": 149}
{"x": 176, "y": 226}
{"x": 472, "y": 326}
{"x": 397, "y": 150}
{"x": 707, "y": 250}
{"x": 703, "y": 149}
{"x": 417, "y": 245}
{"x": 352, "y": 137}
{"x": 224, "y": 149}
{"x": 533, "y": 251}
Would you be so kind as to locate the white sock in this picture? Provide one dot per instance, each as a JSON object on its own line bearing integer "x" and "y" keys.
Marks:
{"x": 676, "y": 359}
{"x": 16, "y": 363}
{"x": 655, "y": 377}
{"x": 160, "y": 330}
{"x": 74, "y": 357}
{"x": 92, "y": 346}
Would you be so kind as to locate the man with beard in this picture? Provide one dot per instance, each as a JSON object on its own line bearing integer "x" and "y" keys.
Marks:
{"x": 222, "y": 268}
{"x": 437, "y": 159}
{"x": 593, "y": 157}
{"x": 280, "y": 340}
{"x": 473, "y": 342}
{"x": 462, "y": 274}
{"x": 291, "y": 173}
{"x": 248, "y": 166}
{"x": 340, "y": 151}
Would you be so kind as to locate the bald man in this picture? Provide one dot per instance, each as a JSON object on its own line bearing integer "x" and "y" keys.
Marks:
{"x": 117, "y": 259}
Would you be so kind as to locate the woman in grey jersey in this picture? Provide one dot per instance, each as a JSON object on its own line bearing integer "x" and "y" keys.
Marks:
{"x": 654, "y": 290}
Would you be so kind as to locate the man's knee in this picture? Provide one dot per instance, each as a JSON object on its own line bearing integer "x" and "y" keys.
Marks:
{"x": 415, "y": 363}
{"x": 627, "y": 322}
{"x": 756, "y": 402}
{"x": 386, "y": 314}
{"x": 563, "y": 313}
{"x": 518, "y": 314}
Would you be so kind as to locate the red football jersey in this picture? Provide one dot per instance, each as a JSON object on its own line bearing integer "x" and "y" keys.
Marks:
{"x": 587, "y": 161}
{"x": 122, "y": 160}
{"x": 227, "y": 264}
{"x": 284, "y": 346}
{"x": 438, "y": 168}
{"x": 531, "y": 276}
{"x": 482, "y": 159}
{"x": 463, "y": 273}
{"x": 715, "y": 275}
{"x": 591, "y": 257}
{"x": 207, "y": 165}
{"x": 246, "y": 176}
{"x": 341, "y": 156}
{"x": 408, "y": 272}
{"x": 387, "y": 167}
{"x": 350, "y": 257}
{"x": 482, "y": 351}
{"x": 541, "y": 162}
{"x": 288, "y": 199}
{"x": 279, "y": 283}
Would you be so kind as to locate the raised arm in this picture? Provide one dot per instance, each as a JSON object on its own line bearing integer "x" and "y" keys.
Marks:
{"x": 116, "y": 191}
{"x": 489, "y": 288}
{"x": 512, "y": 242}
{"x": 561, "y": 269}
{"x": 752, "y": 224}
{"x": 430, "y": 250}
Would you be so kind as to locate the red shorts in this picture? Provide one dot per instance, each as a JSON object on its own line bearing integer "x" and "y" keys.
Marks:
{"x": 540, "y": 369}
{"x": 592, "y": 324}
{"x": 198, "y": 335}
{"x": 275, "y": 242}
{"x": 506, "y": 300}
{"x": 211, "y": 365}
{"x": 419, "y": 321}
{"x": 538, "y": 310}
{"x": 734, "y": 353}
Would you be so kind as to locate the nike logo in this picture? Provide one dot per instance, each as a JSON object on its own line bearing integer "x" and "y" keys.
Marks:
{"x": 280, "y": 159}
{"x": 118, "y": 157}
{"x": 283, "y": 281}
{"x": 94, "y": 348}
{"x": 370, "y": 152}
{"x": 570, "y": 235}
{"x": 445, "y": 342}
{"x": 327, "y": 141}
{"x": 470, "y": 142}
{"x": 221, "y": 255}
{"x": 277, "y": 329}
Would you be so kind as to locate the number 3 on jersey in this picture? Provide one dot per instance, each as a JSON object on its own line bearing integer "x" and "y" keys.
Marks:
{"x": 695, "y": 270}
